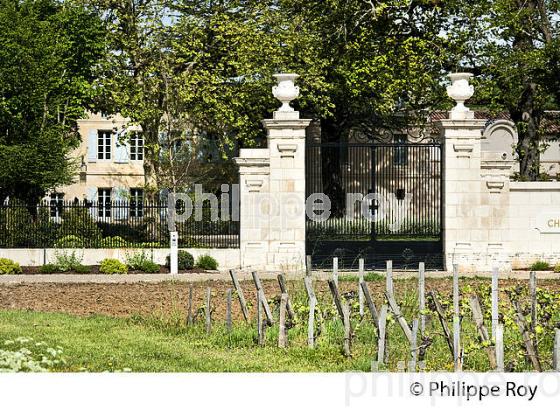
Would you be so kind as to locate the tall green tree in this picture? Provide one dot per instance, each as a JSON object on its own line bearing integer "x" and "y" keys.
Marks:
{"x": 513, "y": 46}
{"x": 48, "y": 50}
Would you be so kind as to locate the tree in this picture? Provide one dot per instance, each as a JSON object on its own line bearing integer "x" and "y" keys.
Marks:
{"x": 47, "y": 53}
{"x": 513, "y": 46}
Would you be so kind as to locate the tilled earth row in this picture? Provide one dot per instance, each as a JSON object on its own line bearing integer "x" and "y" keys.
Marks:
{"x": 166, "y": 298}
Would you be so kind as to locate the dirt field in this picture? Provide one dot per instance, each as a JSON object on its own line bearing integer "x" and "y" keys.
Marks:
{"x": 122, "y": 300}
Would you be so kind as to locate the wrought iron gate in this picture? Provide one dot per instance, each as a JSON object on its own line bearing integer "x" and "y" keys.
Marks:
{"x": 385, "y": 203}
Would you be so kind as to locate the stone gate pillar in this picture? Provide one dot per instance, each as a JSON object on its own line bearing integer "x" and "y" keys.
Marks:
{"x": 272, "y": 214}
{"x": 465, "y": 236}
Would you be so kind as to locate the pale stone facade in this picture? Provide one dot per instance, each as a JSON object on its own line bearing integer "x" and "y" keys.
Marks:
{"x": 119, "y": 173}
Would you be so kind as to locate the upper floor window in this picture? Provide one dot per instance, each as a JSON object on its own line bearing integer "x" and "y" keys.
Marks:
{"x": 56, "y": 204}
{"x": 104, "y": 144}
{"x": 400, "y": 151}
{"x": 104, "y": 202}
{"x": 137, "y": 147}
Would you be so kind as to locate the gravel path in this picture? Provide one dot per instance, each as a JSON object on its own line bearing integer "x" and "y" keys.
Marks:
{"x": 221, "y": 276}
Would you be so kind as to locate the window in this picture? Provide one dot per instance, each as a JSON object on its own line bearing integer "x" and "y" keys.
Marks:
{"x": 104, "y": 202}
{"x": 104, "y": 144}
{"x": 400, "y": 151}
{"x": 136, "y": 202}
{"x": 137, "y": 147}
{"x": 56, "y": 203}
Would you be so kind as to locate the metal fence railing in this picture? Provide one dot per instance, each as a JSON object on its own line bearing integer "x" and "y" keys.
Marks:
{"x": 58, "y": 224}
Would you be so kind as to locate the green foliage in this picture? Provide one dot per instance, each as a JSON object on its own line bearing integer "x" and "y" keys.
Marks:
{"x": 48, "y": 268}
{"x": 22, "y": 229}
{"x": 47, "y": 59}
{"x": 112, "y": 266}
{"x": 540, "y": 265}
{"x": 557, "y": 268}
{"x": 185, "y": 260}
{"x": 9, "y": 267}
{"x": 79, "y": 222}
{"x": 206, "y": 262}
{"x": 113, "y": 242}
{"x": 69, "y": 241}
{"x": 25, "y": 355}
{"x": 140, "y": 261}
{"x": 67, "y": 261}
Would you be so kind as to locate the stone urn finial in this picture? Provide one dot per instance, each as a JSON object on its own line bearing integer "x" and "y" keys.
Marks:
{"x": 460, "y": 90}
{"x": 286, "y": 90}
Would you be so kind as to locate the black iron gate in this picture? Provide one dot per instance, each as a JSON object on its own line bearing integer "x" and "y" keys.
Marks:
{"x": 385, "y": 203}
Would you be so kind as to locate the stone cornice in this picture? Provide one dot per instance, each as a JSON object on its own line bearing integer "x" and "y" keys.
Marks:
{"x": 286, "y": 124}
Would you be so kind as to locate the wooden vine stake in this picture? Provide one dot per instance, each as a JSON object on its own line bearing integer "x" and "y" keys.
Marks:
{"x": 371, "y": 306}
{"x": 422, "y": 296}
{"x": 240, "y": 295}
{"x": 444, "y": 325}
{"x": 389, "y": 277}
{"x": 284, "y": 289}
{"x": 312, "y": 304}
{"x": 533, "y": 295}
{"x": 336, "y": 296}
{"x": 381, "y": 356}
{"x": 529, "y": 347}
{"x": 500, "y": 348}
{"x": 260, "y": 292}
{"x": 457, "y": 356}
{"x": 414, "y": 346}
{"x": 494, "y": 300}
{"x": 347, "y": 329}
{"x": 360, "y": 290}
{"x": 228, "y": 310}
{"x": 478, "y": 318}
{"x": 335, "y": 270}
{"x": 556, "y": 353}
{"x": 282, "y": 330}
{"x": 190, "y": 307}
{"x": 261, "y": 324}
{"x": 457, "y": 359}
{"x": 400, "y": 318}
{"x": 208, "y": 310}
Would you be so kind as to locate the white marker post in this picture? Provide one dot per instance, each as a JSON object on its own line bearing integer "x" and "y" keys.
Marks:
{"x": 174, "y": 255}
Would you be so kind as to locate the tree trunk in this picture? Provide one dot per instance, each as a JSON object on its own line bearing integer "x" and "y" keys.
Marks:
{"x": 527, "y": 120}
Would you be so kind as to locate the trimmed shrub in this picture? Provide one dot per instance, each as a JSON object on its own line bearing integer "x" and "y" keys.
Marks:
{"x": 80, "y": 223}
{"x": 206, "y": 262}
{"x": 113, "y": 242}
{"x": 69, "y": 241}
{"x": 140, "y": 261}
{"x": 185, "y": 261}
{"x": 9, "y": 267}
{"x": 49, "y": 268}
{"x": 540, "y": 265}
{"x": 557, "y": 268}
{"x": 112, "y": 266}
{"x": 82, "y": 269}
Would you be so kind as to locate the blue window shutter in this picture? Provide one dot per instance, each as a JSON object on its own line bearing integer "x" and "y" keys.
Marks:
{"x": 91, "y": 196}
{"x": 122, "y": 152}
{"x": 120, "y": 207}
{"x": 92, "y": 146}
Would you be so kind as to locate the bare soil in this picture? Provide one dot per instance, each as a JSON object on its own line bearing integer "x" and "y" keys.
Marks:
{"x": 168, "y": 298}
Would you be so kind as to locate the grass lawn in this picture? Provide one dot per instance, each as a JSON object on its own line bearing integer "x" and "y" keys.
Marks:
{"x": 100, "y": 343}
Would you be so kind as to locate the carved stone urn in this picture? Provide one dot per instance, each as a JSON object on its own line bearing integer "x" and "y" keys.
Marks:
{"x": 460, "y": 90}
{"x": 286, "y": 90}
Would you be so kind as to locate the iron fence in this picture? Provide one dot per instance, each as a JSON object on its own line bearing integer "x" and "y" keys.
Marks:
{"x": 110, "y": 224}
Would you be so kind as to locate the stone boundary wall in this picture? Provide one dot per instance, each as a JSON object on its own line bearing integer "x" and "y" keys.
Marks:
{"x": 227, "y": 258}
